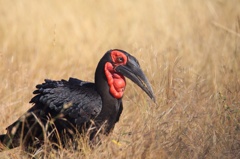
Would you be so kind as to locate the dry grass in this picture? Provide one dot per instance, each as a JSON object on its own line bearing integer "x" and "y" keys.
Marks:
{"x": 190, "y": 51}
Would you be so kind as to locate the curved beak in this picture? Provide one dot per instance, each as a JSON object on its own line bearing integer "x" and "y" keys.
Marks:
{"x": 133, "y": 71}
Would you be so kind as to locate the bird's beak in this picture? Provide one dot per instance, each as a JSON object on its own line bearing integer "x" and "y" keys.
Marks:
{"x": 133, "y": 71}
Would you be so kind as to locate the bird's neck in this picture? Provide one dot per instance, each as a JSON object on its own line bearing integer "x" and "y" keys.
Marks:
{"x": 101, "y": 83}
{"x": 110, "y": 104}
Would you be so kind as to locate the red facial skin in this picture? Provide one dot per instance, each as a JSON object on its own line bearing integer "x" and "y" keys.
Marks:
{"x": 116, "y": 81}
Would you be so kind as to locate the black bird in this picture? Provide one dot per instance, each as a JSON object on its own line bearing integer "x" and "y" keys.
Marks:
{"x": 64, "y": 108}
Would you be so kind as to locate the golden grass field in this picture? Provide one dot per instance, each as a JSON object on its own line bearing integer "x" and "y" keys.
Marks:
{"x": 190, "y": 51}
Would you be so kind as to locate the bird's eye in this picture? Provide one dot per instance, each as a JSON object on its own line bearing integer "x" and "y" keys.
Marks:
{"x": 120, "y": 59}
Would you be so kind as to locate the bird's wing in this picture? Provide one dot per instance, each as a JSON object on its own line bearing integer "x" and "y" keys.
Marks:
{"x": 74, "y": 98}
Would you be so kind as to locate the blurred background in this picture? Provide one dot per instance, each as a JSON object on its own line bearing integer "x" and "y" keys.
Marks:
{"x": 190, "y": 51}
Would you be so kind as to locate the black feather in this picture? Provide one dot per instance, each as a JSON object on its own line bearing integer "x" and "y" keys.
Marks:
{"x": 72, "y": 104}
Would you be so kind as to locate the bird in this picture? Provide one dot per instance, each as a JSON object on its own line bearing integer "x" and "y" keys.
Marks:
{"x": 63, "y": 108}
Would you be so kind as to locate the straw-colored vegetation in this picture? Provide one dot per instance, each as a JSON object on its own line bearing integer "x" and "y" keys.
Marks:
{"x": 190, "y": 51}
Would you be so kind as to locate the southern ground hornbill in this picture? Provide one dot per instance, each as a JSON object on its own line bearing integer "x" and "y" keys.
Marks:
{"x": 64, "y": 108}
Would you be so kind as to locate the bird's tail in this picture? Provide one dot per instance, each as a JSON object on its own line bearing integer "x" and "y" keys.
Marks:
{"x": 2, "y": 139}
{"x": 5, "y": 142}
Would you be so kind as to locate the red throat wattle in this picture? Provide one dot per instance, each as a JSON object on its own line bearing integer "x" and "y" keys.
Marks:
{"x": 116, "y": 81}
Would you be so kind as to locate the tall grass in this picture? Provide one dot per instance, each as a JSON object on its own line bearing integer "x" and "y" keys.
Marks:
{"x": 190, "y": 51}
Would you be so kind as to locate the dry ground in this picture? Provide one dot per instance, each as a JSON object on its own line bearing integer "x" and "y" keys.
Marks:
{"x": 190, "y": 51}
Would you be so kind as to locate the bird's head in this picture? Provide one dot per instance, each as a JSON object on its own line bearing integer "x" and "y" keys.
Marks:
{"x": 117, "y": 64}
